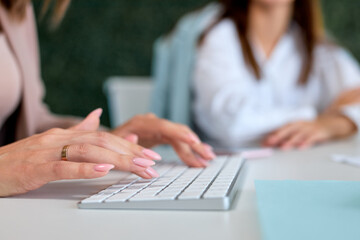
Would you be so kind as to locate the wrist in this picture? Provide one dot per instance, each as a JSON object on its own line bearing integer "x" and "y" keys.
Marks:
{"x": 338, "y": 125}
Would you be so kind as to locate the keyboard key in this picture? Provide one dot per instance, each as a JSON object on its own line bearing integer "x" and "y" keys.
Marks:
{"x": 121, "y": 196}
{"x": 96, "y": 198}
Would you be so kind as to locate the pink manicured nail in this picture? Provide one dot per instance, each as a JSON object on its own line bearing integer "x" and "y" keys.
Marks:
{"x": 98, "y": 112}
{"x": 203, "y": 162}
{"x": 194, "y": 138}
{"x": 207, "y": 146}
{"x": 151, "y": 154}
{"x": 152, "y": 172}
{"x": 142, "y": 162}
{"x": 211, "y": 153}
{"x": 103, "y": 167}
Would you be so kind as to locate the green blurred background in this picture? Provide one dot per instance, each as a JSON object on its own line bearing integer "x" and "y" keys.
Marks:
{"x": 101, "y": 38}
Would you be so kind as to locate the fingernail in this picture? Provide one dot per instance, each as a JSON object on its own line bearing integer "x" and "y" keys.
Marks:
{"x": 203, "y": 162}
{"x": 142, "y": 162}
{"x": 152, "y": 172}
{"x": 211, "y": 153}
{"x": 209, "y": 150}
{"x": 103, "y": 167}
{"x": 98, "y": 112}
{"x": 151, "y": 154}
{"x": 194, "y": 138}
{"x": 208, "y": 146}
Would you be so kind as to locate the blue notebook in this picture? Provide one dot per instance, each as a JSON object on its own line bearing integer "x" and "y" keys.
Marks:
{"x": 306, "y": 210}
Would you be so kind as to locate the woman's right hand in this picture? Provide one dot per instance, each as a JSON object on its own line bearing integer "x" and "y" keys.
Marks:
{"x": 32, "y": 162}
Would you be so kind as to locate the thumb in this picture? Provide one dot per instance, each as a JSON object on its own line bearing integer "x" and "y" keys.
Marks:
{"x": 91, "y": 122}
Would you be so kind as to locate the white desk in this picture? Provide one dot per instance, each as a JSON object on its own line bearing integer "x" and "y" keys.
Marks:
{"x": 51, "y": 212}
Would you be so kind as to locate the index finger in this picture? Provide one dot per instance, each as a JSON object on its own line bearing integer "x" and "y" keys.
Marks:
{"x": 281, "y": 134}
{"x": 180, "y": 133}
{"x": 187, "y": 155}
{"x": 170, "y": 131}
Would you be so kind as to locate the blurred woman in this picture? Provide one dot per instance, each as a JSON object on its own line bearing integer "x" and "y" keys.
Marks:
{"x": 36, "y": 147}
{"x": 266, "y": 74}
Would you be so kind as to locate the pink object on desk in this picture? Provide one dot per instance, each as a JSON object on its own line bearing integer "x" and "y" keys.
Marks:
{"x": 257, "y": 153}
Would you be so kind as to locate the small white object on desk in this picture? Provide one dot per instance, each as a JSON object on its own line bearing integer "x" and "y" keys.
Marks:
{"x": 246, "y": 153}
{"x": 352, "y": 160}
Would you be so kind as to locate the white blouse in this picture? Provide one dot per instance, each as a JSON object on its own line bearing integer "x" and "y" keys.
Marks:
{"x": 233, "y": 109}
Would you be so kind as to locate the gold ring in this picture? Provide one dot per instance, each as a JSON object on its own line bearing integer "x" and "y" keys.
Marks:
{"x": 64, "y": 152}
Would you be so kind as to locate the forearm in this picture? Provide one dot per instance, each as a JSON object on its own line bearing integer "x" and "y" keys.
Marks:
{"x": 348, "y": 116}
{"x": 338, "y": 125}
{"x": 248, "y": 124}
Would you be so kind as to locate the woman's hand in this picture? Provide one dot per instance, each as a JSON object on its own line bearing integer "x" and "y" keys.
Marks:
{"x": 32, "y": 162}
{"x": 304, "y": 134}
{"x": 330, "y": 125}
{"x": 152, "y": 131}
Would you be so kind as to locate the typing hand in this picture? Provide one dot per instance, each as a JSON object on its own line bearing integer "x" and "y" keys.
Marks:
{"x": 304, "y": 134}
{"x": 32, "y": 162}
{"x": 152, "y": 131}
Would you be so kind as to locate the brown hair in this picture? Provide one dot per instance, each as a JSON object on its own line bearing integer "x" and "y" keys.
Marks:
{"x": 307, "y": 14}
{"x": 17, "y": 9}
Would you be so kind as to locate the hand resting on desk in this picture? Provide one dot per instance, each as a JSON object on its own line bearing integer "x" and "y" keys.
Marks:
{"x": 32, "y": 162}
{"x": 331, "y": 124}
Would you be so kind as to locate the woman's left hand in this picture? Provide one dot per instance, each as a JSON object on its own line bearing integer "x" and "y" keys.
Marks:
{"x": 304, "y": 134}
{"x": 150, "y": 131}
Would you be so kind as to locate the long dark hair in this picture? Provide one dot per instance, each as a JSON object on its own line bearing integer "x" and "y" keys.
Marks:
{"x": 17, "y": 9}
{"x": 307, "y": 14}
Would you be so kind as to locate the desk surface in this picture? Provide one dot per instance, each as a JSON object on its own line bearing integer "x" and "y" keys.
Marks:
{"x": 51, "y": 212}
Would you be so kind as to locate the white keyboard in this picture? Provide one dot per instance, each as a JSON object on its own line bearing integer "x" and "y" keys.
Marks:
{"x": 178, "y": 188}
